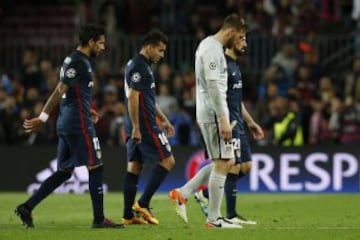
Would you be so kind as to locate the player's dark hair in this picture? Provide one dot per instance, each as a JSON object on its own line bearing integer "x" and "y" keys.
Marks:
{"x": 234, "y": 21}
{"x": 154, "y": 37}
{"x": 90, "y": 31}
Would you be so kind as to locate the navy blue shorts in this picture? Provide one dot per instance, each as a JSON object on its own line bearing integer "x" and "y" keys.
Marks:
{"x": 153, "y": 146}
{"x": 78, "y": 150}
{"x": 242, "y": 149}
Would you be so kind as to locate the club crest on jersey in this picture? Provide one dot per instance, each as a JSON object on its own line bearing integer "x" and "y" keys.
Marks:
{"x": 70, "y": 73}
{"x": 136, "y": 77}
{"x": 212, "y": 66}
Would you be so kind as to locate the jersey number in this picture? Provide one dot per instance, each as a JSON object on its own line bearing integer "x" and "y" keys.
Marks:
{"x": 97, "y": 147}
{"x": 236, "y": 143}
{"x": 163, "y": 139}
{"x": 61, "y": 73}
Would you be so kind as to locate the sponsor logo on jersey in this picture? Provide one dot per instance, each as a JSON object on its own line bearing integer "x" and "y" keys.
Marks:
{"x": 91, "y": 84}
{"x": 78, "y": 183}
{"x": 152, "y": 85}
{"x": 237, "y": 85}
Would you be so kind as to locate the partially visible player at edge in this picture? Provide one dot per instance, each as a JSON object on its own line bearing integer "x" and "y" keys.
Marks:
{"x": 212, "y": 114}
{"x": 145, "y": 140}
{"x": 78, "y": 144}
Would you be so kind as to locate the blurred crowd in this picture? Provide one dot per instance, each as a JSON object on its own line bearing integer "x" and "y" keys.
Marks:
{"x": 203, "y": 17}
{"x": 296, "y": 100}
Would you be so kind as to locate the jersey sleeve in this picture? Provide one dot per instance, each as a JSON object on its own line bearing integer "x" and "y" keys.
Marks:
{"x": 137, "y": 78}
{"x": 215, "y": 70}
{"x": 214, "y": 66}
{"x": 72, "y": 73}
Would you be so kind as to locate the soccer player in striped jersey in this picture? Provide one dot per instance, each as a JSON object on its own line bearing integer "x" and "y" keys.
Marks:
{"x": 78, "y": 144}
{"x": 146, "y": 141}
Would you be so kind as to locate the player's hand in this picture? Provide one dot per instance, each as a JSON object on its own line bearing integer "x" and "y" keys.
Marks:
{"x": 136, "y": 135}
{"x": 94, "y": 116}
{"x": 32, "y": 125}
{"x": 225, "y": 129}
{"x": 256, "y": 130}
{"x": 169, "y": 129}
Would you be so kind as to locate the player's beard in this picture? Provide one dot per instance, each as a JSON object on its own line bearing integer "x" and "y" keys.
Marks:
{"x": 94, "y": 53}
{"x": 239, "y": 51}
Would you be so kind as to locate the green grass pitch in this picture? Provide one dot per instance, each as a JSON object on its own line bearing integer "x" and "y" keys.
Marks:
{"x": 279, "y": 216}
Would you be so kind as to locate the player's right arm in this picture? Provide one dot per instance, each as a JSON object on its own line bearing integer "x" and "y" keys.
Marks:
{"x": 133, "y": 106}
{"x": 35, "y": 124}
{"x": 215, "y": 75}
{"x": 135, "y": 83}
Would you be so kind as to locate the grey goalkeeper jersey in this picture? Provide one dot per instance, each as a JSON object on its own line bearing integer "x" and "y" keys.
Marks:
{"x": 211, "y": 81}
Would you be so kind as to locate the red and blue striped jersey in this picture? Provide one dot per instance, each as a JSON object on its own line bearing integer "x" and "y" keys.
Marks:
{"x": 139, "y": 76}
{"x": 74, "y": 115}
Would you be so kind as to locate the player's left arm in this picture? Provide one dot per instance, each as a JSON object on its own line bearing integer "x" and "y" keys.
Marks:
{"x": 255, "y": 128}
{"x": 35, "y": 124}
{"x": 169, "y": 128}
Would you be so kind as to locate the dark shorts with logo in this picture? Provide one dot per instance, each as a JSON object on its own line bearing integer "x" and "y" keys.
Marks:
{"x": 153, "y": 147}
{"x": 244, "y": 153}
{"x": 78, "y": 150}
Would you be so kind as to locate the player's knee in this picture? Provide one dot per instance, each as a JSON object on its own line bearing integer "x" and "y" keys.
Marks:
{"x": 65, "y": 173}
{"x": 246, "y": 168}
{"x": 135, "y": 167}
{"x": 168, "y": 162}
{"x": 235, "y": 169}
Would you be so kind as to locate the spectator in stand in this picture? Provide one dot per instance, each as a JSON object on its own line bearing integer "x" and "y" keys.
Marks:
{"x": 286, "y": 59}
{"x": 106, "y": 112}
{"x": 178, "y": 87}
{"x": 9, "y": 118}
{"x": 286, "y": 125}
{"x": 31, "y": 76}
{"x": 167, "y": 102}
{"x": 164, "y": 74}
{"x": 117, "y": 131}
{"x": 261, "y": 111}
{"x": 350, "y": 122}
{"x": 352, "y": 81}
{"x": 319, "y": 131}
{"x": 273, "y": 75}
{"x": 327, "y": 90}
{"x": 356, "y": 17}
{"x": 304, "y": 83}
